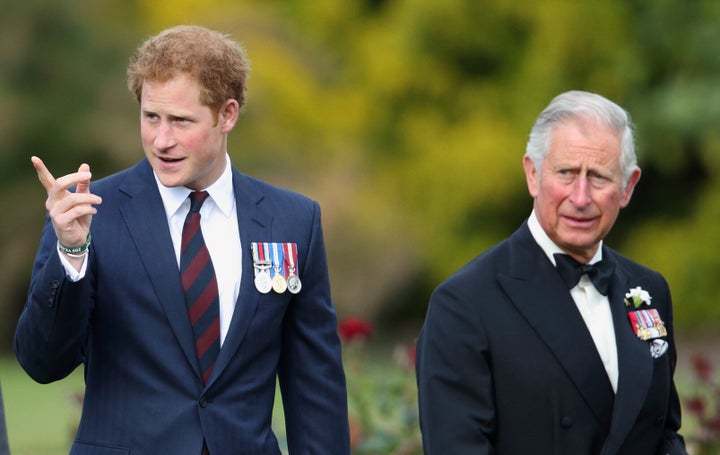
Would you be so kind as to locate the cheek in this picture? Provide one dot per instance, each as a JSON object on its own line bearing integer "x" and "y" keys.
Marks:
{"x": 146, "y": 135}
{"x": 552, "y": 194}
{"x": 195, "y": 141}
{"x": 610, "y": 204}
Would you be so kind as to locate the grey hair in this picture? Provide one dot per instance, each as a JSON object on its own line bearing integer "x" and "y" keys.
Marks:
{"x": 575, "y": 105}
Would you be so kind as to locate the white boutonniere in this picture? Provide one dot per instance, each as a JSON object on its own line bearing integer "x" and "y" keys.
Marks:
{"x": 637, "y": 296}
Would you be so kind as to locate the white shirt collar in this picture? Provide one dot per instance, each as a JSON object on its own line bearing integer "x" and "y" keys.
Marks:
{"x": 221, "y": 192}
{"x": 548, "y": 246}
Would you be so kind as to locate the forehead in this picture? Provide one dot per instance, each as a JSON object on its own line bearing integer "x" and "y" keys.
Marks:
{"x": 585, "y": 140}
{"x": 180, "y": 89}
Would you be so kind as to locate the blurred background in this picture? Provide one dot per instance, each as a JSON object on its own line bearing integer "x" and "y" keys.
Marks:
{"x": 406, "y": 119}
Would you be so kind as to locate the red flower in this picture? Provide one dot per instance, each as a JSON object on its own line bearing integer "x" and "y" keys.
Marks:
{"x": 702, "y": 367}
{"x": 355, "y": 432}
{"x": 352, "y": 329}
{"x": 714, "y": 423}
{"x": 696, "y": 406}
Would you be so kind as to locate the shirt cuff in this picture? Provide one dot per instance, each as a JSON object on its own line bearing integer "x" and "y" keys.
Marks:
{"x": 70, "y": 272}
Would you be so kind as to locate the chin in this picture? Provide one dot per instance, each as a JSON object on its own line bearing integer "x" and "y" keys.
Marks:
{"x": 579, "y": 242}
{"x": 169, "y": 181}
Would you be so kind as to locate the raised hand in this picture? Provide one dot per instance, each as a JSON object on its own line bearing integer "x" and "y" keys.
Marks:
{"x": 71, "y": 213}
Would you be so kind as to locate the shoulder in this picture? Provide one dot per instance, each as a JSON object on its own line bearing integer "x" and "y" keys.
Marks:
{"x": 254, "y": 185}
{"x": 273, "y": 198}
{"x": 512, "y": 256}
{"x": 464, "y": 291}
{"x": 632, "y": 269}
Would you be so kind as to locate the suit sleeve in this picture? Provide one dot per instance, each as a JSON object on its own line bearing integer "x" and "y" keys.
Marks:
{"x": 455, "y": 388}
{"x": 4, "y": 449}
{"x": 311, "y": 375}
{"x": 672, "y": 442}
{"x": 52, "y": 328}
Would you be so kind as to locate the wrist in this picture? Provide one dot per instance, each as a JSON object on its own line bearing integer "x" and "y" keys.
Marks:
{"x": 75, "y": 251}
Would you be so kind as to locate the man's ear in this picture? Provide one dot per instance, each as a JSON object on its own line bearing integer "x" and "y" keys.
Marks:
{"x": 531, "y": 176}
{"x": 629, "y": 187}
{"x": 228, "y": 115}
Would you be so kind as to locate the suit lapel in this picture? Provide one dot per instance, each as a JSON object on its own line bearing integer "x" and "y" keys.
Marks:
{"x": 556, "y": 320}
{"x": 144, "y": 215}
{"x": 634, "y": 363}
{"x": 254, "y": 225}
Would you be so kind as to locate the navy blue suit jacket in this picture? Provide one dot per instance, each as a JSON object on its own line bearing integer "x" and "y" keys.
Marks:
{"x": 507, "y": 366}
{"x": 4, "y": 450}
{"x": 127, "y": 322}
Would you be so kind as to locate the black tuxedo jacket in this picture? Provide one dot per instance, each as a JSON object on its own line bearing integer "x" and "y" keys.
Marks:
{"x": 506, "y": 364}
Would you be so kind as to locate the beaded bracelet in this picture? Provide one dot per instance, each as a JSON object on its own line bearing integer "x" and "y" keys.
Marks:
{"x": 76, "y": 251}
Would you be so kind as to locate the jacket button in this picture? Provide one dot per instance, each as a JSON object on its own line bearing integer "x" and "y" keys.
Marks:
{"x": 566, "y": 422}
{"x": 203, "y": 402}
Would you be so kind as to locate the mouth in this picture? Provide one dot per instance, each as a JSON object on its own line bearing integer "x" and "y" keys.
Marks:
{"x": 166, "y": 159}
{"x": 167, "y": 164}
{"x": 579, "y": 222}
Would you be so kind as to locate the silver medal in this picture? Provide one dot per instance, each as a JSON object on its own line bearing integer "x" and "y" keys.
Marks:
{"x": 263, "y": 282}
{"x": 293, "y": 284}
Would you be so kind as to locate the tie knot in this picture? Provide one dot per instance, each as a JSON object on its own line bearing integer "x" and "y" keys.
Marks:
{"x": 196, "y": 200}
{"x": 571, "y": 271}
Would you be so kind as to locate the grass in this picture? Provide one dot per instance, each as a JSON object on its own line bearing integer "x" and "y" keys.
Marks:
{"x": 41, "y": 419}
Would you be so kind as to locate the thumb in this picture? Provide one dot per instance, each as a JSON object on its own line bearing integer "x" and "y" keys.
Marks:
{"x": 84, "y": 186}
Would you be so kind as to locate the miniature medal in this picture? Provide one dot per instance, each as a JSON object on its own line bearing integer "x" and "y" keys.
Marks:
{"x": 647, "y": 324}
{"x": 293, "y": 281}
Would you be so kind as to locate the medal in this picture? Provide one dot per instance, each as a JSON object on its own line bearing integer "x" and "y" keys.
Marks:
{"x": 658, "y": 348}
{"x": 279, "y": 284}
{"x": 263, "y": 282}
{"x": 261, "y": 266}
{"x": 293, "y": 281}
{"x": 647, "y": 324}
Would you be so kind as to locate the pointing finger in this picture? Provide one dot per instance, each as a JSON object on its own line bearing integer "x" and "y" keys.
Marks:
{"x": 43, "y": 173}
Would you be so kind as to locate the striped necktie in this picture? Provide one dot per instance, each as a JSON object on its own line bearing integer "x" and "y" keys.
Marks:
{"x": 200, "y": 285}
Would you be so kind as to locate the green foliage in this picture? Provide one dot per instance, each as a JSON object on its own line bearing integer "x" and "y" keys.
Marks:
{"x": 702, "y": 408}
{"x": 382, "y": 400}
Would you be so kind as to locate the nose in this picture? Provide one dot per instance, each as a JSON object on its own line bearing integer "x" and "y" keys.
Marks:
{"x": 580, "y": 195}
{"x": 163, "y": 137}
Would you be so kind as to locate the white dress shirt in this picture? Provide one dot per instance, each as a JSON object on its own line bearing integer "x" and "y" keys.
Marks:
{"x": 219, "y": 225}
{"x": 593, "y": 306}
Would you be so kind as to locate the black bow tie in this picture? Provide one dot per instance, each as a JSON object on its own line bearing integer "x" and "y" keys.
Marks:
{"x": 571, "y": 271}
